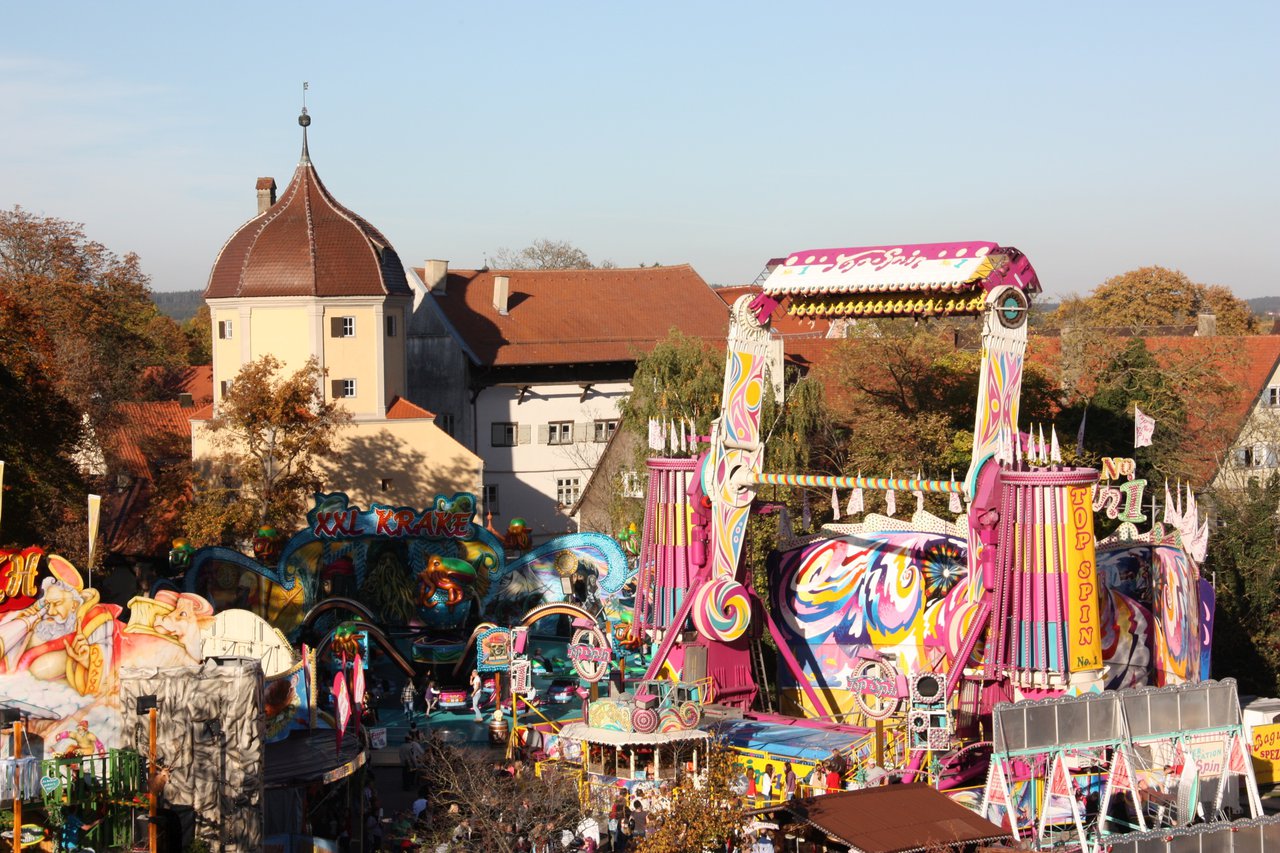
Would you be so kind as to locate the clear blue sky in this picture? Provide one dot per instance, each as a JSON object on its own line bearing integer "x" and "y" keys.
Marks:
{"x": 1096, "y": 137}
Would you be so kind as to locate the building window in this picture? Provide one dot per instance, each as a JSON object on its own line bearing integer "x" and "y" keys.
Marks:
{"x": 631, "y": 485}
{"x": 567, "y": 489}
{"x": 1256, "y": 456}
{"x": 342, "y": 327}
{"x": 503, "y": 434}
{"x": 1273, "y": 395}
{"x": 391, "y": 325}
{"x": 343, "y": 388}
{"x": 604, "y": 430}
{"x": 225, "y": 330}
{"x": 225, "y": 385}
{"x": 386, "y": 484}
{"x": 444, "y": 420}
{"x": 491, "y": 499}
{"x": 560, "y": 432}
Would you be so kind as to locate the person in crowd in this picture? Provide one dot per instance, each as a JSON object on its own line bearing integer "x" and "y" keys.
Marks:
{"x": 789, "y": 781}
{"x": 818, "y": 780}
{"x": 408, "y": 762}
{"x": 406, "y": 698}
{"x": 766, "y": 785}
{"x": 431, "y": 696}
{"x": 477, "y": 692}
{"x": 833, "y": 778}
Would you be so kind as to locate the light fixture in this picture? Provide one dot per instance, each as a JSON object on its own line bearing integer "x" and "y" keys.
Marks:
{"x": 146, "y": 703}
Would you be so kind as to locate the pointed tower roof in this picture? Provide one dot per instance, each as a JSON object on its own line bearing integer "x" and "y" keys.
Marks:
{"x": 306, "y": 244}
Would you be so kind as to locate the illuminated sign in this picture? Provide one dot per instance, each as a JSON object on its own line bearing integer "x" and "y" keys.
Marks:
{"x": 594, "y": 654}
{"x": 18, "y": 577}
{"x": 447, "y": 518}
{"x": 493, "y": 650}
{"x": 870, "y": 685}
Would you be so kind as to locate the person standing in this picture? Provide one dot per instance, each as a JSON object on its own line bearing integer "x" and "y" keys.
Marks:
{"x": 789, "y": 781}
{"x": 406, "y": 697}
{"x": 818, "y": 780}
{"x": 766, "y": 785}
{"x": 833, "y": 778}
{"x": 431, "y": 696}
{"x": 477, "y": 690}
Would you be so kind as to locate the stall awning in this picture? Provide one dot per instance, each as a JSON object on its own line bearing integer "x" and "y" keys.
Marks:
{"x": 309, "y": 756}
{"x": 800, "y": 744}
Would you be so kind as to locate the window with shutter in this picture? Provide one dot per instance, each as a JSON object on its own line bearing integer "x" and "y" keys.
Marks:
{"x": 503, "y": 434}
{"x": 225, "y": 329}
{"x": 581, "y": 432}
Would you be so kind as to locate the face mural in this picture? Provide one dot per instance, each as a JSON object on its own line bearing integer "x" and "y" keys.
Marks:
{"x": 61, "y": 648}
{"x": 909, "y": 594}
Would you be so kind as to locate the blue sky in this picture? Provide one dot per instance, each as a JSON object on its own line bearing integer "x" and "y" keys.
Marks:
{"x": 1096, "y": 137}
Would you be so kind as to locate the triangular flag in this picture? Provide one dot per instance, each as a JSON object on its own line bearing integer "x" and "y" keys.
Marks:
{"x": 856, "y": 502}
{"x": 890, "y": 503}
{"x": 1055, "y": 451}
{"x": 806, "y": 517}
{"x": 1144, "y": 427}
{"x": 1169, "y": 515}
{"x": 995, "y": 787}
{"x": 1084, "y": 416}
{"x": 341, "y": 706}
{"x": 954, "y": 504}
{"x": 357, "y": 682}
{"x": 1059, "y": 780}
{"x": 1042, "y": 449}
{"x": 1120, "y": 770}
{"x": 684, "y": 436}
{"x": 95, "y": 513}
{"x": 835, "y": 506}
{"x": 653, "y": 434}
{"x": 1237, "y": 761}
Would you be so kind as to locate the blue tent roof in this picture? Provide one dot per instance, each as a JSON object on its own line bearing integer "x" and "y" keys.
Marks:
{"x": 797, "y": 742}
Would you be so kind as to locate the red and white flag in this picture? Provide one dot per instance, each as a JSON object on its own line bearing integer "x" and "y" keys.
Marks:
{"x": 1144, "y": 426}
{"x": 357, "y": 682}
{"x": 341, "y": 705}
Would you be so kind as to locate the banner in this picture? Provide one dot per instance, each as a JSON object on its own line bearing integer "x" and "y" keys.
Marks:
{"x": 1084, "y": 635}
{"x": 1144, "y": 426}
{"x": 1265, "y": 749}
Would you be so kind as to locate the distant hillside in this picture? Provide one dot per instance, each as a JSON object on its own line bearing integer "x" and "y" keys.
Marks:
{"x": 1265, "y": 304}
{"x": 181, "y": 305}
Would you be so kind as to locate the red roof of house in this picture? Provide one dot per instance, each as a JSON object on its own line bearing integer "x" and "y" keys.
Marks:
{"x": 1246, "y": 363}
{"x": 575, "y": 316}
{"x": 307, "y": 244}
{"x": 402, "y": 409}
{"x": 150, "y": 431}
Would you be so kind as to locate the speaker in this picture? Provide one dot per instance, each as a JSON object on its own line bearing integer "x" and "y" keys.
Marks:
{"x": 928, "y": 689}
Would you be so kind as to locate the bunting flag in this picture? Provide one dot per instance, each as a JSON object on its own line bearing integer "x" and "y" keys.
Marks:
{"x": 835, "y": 506}
{"x": 1200, "y": 543}
{"x": 1080, "y": 433}
{"x": 95, "y": 513}
{"x": 806, "y": 517}
{"x": 1237, "y": 760}
{"x": 684, "y": 436}
{"x": 1055, "y": 451}
{"x": 954, "y": 504}
{"x": 856, "y": 502}
{"x": 1120, "y": 774}
{"x": 890, "y": 503}
{"x": 1017, "y": 448}
{"x": 341, "y": 707}
{"x": 654, "y": 434}
{"x": 1169, "y": 517}
{"x": 1144, "y": 427}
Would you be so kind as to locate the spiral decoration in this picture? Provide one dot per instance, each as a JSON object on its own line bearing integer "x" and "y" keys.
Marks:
{"x": 644, "y": 720}
{"x": 671, "y": 721}
{"x": 690, "y": 714}
{"x": 721, "y": 609}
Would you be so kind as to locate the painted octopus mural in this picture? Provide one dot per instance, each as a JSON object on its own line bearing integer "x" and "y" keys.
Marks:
{"x": 908, "y": 594}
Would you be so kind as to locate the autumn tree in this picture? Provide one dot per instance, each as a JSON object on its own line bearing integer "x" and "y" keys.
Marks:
{"x": 1151, "y": 297}
{"x": 496, "y": 812}
{"x": 93, "y": 305}
{"x": 546, "y": 254}
{"x": 198, "y": 333}
{"x": 267, "y": 435}
{"x": 704, "y": 811}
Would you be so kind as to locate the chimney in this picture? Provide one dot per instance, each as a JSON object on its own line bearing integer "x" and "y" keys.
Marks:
{"x": 266, "y": 194}
{"x": 186, "y": 401}
{"x": 1206, "y": 325}
{"x": 501, "y": 293}
{"x": 434, "y": 275}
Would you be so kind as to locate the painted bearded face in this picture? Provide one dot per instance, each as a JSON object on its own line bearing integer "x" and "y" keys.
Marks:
{"x": 59, "y": 603}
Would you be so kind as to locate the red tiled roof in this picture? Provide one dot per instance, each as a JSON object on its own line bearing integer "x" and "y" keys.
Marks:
{"x": 573, "y": 316}
{"x": 1246, "y": 363}
{"x": 202, "y": 413}
{"x": 402, "y": 409}
{"x": 196, "y": 381}
{"x": 306, "y": 245}
{"x": 150, "y": 431}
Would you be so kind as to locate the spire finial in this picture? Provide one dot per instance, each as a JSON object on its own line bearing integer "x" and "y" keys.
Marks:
{"x": 305, "y": 121}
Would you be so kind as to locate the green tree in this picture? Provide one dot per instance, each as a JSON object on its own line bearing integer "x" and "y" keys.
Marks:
{"x": 267, "y": 435}
{"x": 199, "y": 337}
{"x": 1243, "y": 561}
{"x": 546, "y": 254}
